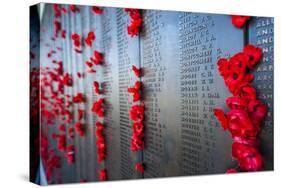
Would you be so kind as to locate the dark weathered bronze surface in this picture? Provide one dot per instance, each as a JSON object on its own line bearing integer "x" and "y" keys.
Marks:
{"x": 178, "y": 52}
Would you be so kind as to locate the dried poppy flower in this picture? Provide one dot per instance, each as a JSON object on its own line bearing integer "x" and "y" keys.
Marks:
{"x": 139, "y": 167}
{"x": 239, "y": 21}
{"x": 254, "y": 54}
{"x": 102, "y": 175}
{"x": 97, "y": 10}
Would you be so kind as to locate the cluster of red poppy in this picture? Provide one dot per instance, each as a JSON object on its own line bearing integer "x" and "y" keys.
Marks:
{"x": 239, "y": 21}
{"x": 136, "y": 114}
{"x": 55, "y": 103}
{"x": 136, "y": 21}
{"x": 135, "y": 91}
{"x": 100, "y": 141}
{"x": 53, "y": 162}
{"x": 79, "y": 98}
{"x": 97, "y": 108}
{"x": 244, "y": 120}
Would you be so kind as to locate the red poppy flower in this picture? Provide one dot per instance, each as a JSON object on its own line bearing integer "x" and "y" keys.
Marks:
{"x": 67, "y": 80}
{"x": 79, "y": 74}
{"x": 79, "y": 98}
{"x": 239, "y": 62}
{"x": 70, "y": 154}
{"x": 135, "y": 91}
{"x": 73, "y": 8}
{"x": 136, "y": 144}
{"x": 97, "y": 108}
{"x": 246, "y": 91}
{"x": 90, "y": 38}
{"x": 239, "y": 21}
{"x": 139, "y": 167}
{"x": 240, "y": 124}
{"x": 57, "y": 26}
{"x": 138, "y": 129}
{"x": 70, "y": 132}
{"x": 251, "y": 163}
{"x": 254, "y": 54}
{"x": 97, "y": 87}
{"x": 102, "y": 175}
{"x": 80, "y": 114}
{"x": 63, "y": 34}
{"x": 257, "y": 110}
{"x": 97, "y": 10}
{"x": 76, "y": 40}
{"x": 132, "y": 30}
{"x": 224, "y": 67}
{"x": 61, "y": 144}
{"x": 89, "y": 64}
{"x": 236, "y": 103}
{"x": 57, "y": 10}
{"x": 62, "y": 127}
{"x": 221, "y": 118}
{"x": 248, "y": 157}
{"x": 80, "y": 129}
{"x": 98, "y": 58}
{"x": 64, "y": 10}
{"x": 137, "y": 112}
{"x": 136, "y": 71}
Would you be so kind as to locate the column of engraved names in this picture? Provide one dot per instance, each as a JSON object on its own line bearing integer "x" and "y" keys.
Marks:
{"x": 197, "y": 98}
{"x": 261, "y": 34}
{"x": 124, "y": 67}
{"x": 154, "y": 73}
{"x": 108, "y": 95}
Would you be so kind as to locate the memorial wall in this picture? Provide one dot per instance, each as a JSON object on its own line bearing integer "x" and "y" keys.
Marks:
{"x": 181, "y": 86}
